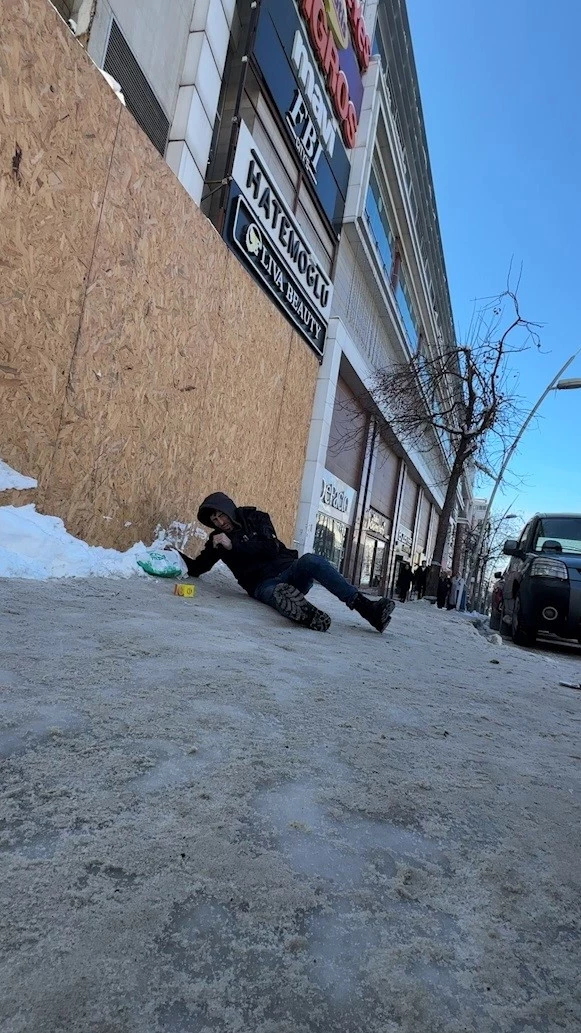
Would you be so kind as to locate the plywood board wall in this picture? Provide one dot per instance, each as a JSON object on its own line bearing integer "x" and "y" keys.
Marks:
{"x": 57, "y": 127}
{"x": 146, "y": 368}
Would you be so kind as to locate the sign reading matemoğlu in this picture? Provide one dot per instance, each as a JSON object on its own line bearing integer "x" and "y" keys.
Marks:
{"x": 272, "y": 246}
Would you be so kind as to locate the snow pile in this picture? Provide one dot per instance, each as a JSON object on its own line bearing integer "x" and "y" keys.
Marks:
{"x": 40, "y": 547}
{"x": 467, "y": 615}
{"x": 10, "y": 478}
{"x": 178, "y": 534}
{"x": 112, "y": 82}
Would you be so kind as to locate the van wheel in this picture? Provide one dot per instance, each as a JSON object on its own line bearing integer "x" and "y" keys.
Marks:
{"x": 522, "y": 634}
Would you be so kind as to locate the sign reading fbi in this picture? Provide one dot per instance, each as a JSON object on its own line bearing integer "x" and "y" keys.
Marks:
{"x": 273, "y": 247}
{"x": 311, "y": 55}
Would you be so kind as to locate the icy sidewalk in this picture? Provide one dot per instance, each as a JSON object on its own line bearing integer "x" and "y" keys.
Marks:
{"x": 216, "y": 821}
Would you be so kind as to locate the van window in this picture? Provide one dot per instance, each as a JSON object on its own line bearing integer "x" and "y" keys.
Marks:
{"x": 524, "y": 536}
{"x": 564, "y": 532}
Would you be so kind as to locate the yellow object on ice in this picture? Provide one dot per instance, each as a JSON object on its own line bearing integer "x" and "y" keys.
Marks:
{"x": 187, "y": 591}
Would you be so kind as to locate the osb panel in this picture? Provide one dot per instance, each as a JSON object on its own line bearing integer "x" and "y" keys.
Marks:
{"x": 18, "y": 496}
{"x": 132, "y": 418}
{"x": 182, "y": 376}
{"x": 179, "y": 374}
{"x": 245, "y": 392}
{"x": 290, "y": 443}
{"x": 57, "y": 125}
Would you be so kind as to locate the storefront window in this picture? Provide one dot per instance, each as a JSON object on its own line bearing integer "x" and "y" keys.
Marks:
{"x": 330, "y": 539}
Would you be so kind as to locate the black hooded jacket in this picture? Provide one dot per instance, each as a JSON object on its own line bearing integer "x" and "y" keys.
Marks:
{"x": 256, "y": 552}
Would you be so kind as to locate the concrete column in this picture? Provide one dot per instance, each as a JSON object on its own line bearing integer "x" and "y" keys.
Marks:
{"x": 430, "y": 535}
{"x": 363, "y": 503}
{"x": 191, "y": 131}
{"x": 318, "y": 440}
{"x": 416, "y": 527}
{"x": 396, "y": 516}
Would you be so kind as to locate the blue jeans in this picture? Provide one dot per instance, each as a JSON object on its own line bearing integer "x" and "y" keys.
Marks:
{"x": 302, "y": 573}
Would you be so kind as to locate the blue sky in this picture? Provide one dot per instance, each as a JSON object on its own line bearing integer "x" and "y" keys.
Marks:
{"x": 500, "y": 83}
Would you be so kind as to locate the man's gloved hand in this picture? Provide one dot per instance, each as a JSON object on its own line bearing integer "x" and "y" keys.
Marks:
{"x": 223, "y": 540}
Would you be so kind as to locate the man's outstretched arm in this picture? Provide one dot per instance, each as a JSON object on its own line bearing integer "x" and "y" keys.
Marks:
{"x": 204, "y": 562}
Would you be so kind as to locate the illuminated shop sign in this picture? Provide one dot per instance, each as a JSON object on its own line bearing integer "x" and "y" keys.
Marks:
{"x": 327, "y": 30}
{"x": 311, "y": 55}
{"x": 310, "y": 120}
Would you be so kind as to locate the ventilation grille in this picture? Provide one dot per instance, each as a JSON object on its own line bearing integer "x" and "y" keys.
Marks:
{"x": 139, "y": 97}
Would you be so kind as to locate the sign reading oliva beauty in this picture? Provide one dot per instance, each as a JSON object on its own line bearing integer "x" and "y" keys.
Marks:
{"x": 272, "y": 246}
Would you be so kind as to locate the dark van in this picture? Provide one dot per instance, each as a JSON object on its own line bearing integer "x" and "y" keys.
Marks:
{"x": 542, "y": 586}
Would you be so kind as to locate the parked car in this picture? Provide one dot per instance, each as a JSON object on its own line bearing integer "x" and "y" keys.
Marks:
{"x": 542, "y": 585}
{"x": 496, "y": 601}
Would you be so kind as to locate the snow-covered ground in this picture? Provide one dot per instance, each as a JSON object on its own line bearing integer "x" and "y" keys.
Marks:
{"x": 213, "y": 820}
{"x": 10, "y": 478}
{"x": 36, "y": 546}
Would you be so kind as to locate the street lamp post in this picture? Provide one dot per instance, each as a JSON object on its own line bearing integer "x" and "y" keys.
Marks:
{"x": 555, "y": 384}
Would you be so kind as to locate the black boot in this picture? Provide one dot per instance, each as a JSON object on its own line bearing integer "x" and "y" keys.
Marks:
{"x": 292, "y": 604}
{"x": 377, "y": 611}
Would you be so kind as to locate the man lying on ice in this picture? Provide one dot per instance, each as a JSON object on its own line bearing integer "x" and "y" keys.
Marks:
{"x": 245, "y": 540}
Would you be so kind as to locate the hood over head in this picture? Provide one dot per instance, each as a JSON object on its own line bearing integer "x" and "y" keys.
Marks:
{"x": 220, "y": 502}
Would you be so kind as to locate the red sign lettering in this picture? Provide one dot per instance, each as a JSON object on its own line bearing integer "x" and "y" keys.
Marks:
{"x": 314, "y": 14}
{"x": 361, "y": 40}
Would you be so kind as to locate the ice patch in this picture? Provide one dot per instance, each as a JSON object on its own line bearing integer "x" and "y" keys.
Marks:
{"x": 52, "y": 723}
{"x": 171, "y": 768}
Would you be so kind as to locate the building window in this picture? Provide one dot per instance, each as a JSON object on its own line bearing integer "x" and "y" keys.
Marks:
{"x": 374, "y": 560}
{"x": 379, "y": 48}
{"x": 406, "y": 309}
{"x": 379, "y": 225}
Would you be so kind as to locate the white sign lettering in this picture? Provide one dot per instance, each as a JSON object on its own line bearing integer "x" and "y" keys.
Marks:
{"x": 310, "y": 120}
{"x": 337, "y": 499}
{"x": 248, "y": 236}
{"x": 279, "y": 225}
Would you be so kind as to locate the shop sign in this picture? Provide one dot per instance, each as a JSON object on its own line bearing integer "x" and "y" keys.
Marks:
{"x": 377, "y": 524}
{"x": 271, "y": 244}
{"x": 311, "y": 55}
{"x": 404, "y": 539}
{"x": 309, "y": 119}
{"x": 328, "y": 35}
{"x": 337, "y": 498}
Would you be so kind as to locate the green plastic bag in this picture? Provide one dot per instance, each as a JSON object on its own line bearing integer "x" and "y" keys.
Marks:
{"x": 163, "y": 564}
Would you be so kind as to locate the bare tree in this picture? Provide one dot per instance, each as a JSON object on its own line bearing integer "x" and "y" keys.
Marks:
{"x": 462, "y": 400}
{"x": 482, "y": 561}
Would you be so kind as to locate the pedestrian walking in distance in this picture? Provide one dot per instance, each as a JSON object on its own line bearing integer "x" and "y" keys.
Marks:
{"x": 444, "y": 585}
{"x": 404, "y": 580}
{"x": 421, "y": 580}
{"x": 245, "y": 540}
{"x": 455, "y": 595}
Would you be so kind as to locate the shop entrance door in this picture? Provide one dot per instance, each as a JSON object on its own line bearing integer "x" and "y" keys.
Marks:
{"x": 374, "y": 557}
